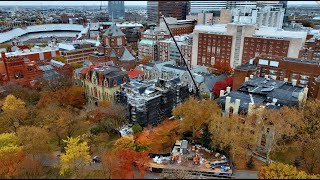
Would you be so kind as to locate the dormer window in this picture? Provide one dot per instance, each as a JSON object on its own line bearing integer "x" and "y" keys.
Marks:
{"x": 94, "y": 79}
{"x": 106, "y": 82}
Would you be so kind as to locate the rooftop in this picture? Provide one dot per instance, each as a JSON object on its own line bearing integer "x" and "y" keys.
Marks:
{"x": 220, "y": 28}
{"x": 7, "y": 36}
{"x": 263, "y": 91}
{"x": 274, "y": 32}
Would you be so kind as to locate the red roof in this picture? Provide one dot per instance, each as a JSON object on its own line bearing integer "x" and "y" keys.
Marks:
{"x": 83, "y": 71}
{"x": 23, "y": 47}
{"x": 133, "y": 73}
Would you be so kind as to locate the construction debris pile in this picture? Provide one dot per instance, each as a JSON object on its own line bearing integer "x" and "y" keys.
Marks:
{"x": 194, "y": 158}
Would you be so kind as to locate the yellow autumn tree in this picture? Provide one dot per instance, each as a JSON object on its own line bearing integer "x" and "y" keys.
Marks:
{"x": 283, "y": 171}
{"x": 76, "y": 157}
{"x": 35, "y": 140}
{"x": 125, "y": 143}
{"x": 14, "y": 114}
{"x": 195, "y": 114}
{"x": 10, "y": 156}
{"x": 12, "y": 103}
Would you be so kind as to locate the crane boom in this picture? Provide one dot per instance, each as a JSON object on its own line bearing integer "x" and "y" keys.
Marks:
{"x": 194, "y": 82}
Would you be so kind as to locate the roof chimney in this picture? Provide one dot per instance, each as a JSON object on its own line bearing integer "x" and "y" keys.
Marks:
{"x": 3, "y": 56}
{"x": 294, "y": 82}
{"x": 228, "y": 89}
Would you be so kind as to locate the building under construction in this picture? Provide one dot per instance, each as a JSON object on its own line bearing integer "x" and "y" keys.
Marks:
{"x": 150, "y": 102}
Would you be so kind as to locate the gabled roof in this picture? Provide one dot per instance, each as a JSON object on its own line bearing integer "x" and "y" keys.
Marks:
{"x": 126, "y": 55}
{"x": 114, "y": 31}
{"x": 133, "y": 73}
{"x": 211, "y": 79}
{"x": 113, "y": 53}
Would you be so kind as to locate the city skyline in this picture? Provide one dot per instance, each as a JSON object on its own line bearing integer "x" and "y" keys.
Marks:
{"x": 104, "y": 3}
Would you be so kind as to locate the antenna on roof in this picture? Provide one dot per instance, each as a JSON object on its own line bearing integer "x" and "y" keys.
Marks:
{"x": 194, "y": 82}
{"x": 112, "y": 17}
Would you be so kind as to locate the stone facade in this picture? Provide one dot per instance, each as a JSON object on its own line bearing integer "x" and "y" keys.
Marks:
{"x": 100, "y": 82}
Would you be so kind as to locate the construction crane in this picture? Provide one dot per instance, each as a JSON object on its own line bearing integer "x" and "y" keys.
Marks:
{"x": 194, "y": 82}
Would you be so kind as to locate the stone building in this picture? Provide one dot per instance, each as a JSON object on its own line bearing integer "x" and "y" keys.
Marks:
{"x": 257, "y": 93}
{"x": 100, "y": 82}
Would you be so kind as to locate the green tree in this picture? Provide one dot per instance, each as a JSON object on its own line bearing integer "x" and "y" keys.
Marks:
{"x": 60, "y": 58}
{"x": 136, "y": 128}
{"x": 76, "y": 65}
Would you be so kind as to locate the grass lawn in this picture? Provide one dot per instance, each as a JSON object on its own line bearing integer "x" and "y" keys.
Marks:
{"x": 241, "y": 163}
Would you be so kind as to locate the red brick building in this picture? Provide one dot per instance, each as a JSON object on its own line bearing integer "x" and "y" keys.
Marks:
{"x": 311, "y": 50}
{"x": 115, "y": 49}
{"x": 214, "y": 49}
{"x": 254, "y": 46}
{"x": 23, "y": 71}
{"x": 16, "y": 70}
{"x": 302, "y": 72}
{"x": 181, "y": 29}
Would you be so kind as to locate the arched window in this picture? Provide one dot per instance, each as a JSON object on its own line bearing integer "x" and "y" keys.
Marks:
{"x": 106, "y": 82}
{"x": 114, "y": 83}
{"x": 17, "y": 74}
{"x": 231, "y": 111}
{"x": 95, "y": 92}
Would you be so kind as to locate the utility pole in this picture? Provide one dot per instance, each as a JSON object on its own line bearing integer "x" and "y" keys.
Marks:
{"x": 194, "y": 82}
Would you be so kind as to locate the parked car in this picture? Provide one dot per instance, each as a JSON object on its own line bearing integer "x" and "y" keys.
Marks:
{"x": 96, "y": 159}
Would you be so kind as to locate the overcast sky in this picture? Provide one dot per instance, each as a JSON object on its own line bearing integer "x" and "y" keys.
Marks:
{"x": 97, "y": 3}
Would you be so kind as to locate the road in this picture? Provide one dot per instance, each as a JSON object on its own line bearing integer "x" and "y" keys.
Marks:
{"x": 242, "y": 174}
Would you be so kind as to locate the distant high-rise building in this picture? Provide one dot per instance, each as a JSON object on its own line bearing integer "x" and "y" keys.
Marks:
{"x": 237, "y": 4}
{"x": 178, "y": 9}
{"x": 206, "y": 6}
{"x": 116, "y": 9}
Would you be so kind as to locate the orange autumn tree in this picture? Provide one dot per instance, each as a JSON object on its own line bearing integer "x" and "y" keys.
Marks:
{"x": 161, "y": 138}
{"x": 73, "y": 96}
{"x": 11, "y": 156}
{"x": 146, "y": 59}
{"x": 126, "y": 160}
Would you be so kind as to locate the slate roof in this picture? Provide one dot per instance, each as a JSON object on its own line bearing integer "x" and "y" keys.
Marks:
{"x": 263, "y": 91}
{"x": 211, "y": 79}
{"x": 113, "y": 53}
{"x": 48, "y": 72}
{"x": 126, "y": 55}
{"x": 114, "y": 31}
